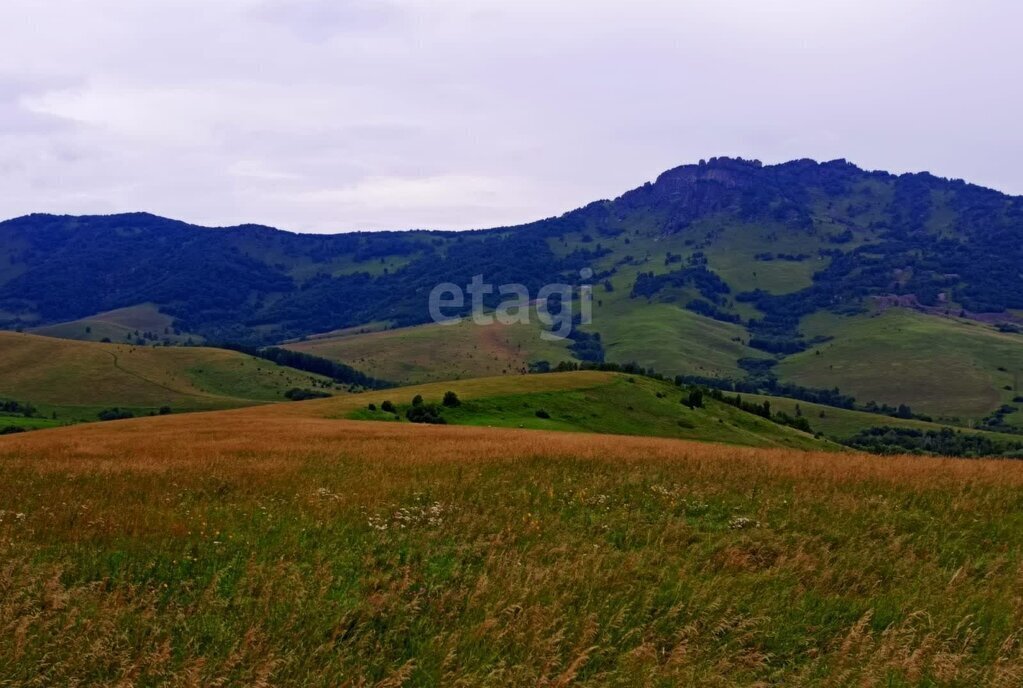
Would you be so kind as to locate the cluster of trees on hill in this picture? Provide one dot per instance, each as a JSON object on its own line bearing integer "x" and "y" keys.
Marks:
{"x": 706, "y": 308}
{"x": 586, "y": 346}
{"x": 421, "y": 412}
{"x": 338, "y": 372}
{"x": 10, "y": 407}
{"x": 299, "y": 394}
{"x": 704, "y": 280}
{"x": 996, "y": 420}
{"x": 945, "y": 442}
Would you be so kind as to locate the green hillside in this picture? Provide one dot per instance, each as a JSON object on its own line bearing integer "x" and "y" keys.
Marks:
{"x": 427, "y": 353}
{"x": 588, "y": 402}
{"x": 946, "y": 367}
{"x": 134, "y": 324}
{"x": 77, "y": 379}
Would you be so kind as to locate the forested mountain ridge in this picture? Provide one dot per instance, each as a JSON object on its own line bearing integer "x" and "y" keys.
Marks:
{"x": 775, "y": 243}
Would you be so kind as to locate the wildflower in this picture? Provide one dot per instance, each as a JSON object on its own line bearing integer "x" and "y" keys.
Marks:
{"x": 742, "y": 522}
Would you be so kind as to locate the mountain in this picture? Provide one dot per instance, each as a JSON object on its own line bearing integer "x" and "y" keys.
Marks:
{"x": 812, "y": 274}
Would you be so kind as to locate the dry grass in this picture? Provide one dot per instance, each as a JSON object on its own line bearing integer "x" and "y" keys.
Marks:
{"x": 270, "y": 547}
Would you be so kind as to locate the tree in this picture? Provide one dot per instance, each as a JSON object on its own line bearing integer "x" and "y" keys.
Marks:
{"x": 388, "y": 407}
{"x": 417, "y": 400}
{"x": 696, "y": 398}
{"x": 451, "y": 399}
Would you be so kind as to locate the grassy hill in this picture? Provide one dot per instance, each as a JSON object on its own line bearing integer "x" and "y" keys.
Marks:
{"x": 143, "y": 322}
{"x": 943, "y": 366}
{"x": 427, "y": 353}
{"x": 587, "y": 402}
{"x": 271, "y": 545}
{"x": 78, "y": 379}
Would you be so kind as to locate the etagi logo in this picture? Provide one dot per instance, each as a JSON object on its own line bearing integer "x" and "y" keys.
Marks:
{"x": 554, "y": 304}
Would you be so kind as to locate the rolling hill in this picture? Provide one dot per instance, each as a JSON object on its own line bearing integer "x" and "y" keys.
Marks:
{"x": 142, "y": 324}
{"x": 428, "y": 353}
{"x": 727, "y": 269}
{"x": 76, "y": 380}
{"x": 585, "y": 401}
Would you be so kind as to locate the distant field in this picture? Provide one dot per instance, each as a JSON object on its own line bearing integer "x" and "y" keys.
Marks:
{"x": 431, "y": 352}
{"x": 79, "y": 379}
{"x": 838, "y": 423}
{"x": 670, "y": 339}
{"x": 941, "y": 366}
{"x": 591, "y": 402}
{"x": 273, "y": 546}
{"x": 28, "y": 423}
{"x": 123, "y": 324}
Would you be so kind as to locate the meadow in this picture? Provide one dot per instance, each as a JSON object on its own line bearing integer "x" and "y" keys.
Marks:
{"x": 282, "y": 545}
{"x": 427, "y": 353}
{"x": 77, "y": 379}
{"x": 942, "y": 366}
{"x": 588, "y": 401}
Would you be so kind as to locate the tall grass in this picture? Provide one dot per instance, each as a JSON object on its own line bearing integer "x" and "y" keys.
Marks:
{"x": 260, "y": 547}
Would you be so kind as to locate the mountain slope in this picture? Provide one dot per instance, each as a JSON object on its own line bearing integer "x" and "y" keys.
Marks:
{"x": 703, "y": 272}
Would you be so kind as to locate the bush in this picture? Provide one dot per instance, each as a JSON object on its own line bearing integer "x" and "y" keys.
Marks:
{"x": 417, "y": 400}
{"x": 425, "y": 413}
{"x": 372, "y": 407}
{"x": 165, "y": 410}
{"x": 388, "y": 407}
{"x": 297, "y": 394}
{"x": 451, "y": 399}
{"x": 541, "y": 413}
{"x": 115, "y": 414}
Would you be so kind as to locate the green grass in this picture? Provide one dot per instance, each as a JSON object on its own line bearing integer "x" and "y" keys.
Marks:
{"x": 614, "y": 403}
{"x": 413, "y": 355}
{"x": 941, "y": 366}
{"x": 28, "y": 423}
{"x": 840, "y": 424}
{"x": 121, "y": 325}
{"x": 670, "y": 339}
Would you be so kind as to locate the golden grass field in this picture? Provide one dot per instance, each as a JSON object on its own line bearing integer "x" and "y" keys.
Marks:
{"x": 283, "y": 546}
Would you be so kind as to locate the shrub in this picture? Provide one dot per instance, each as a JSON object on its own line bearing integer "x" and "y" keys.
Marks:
{"x": 388, "y": 407}
{"x": 297, "y": 394}
{"x": 115, "y": 414}
{"x": 372, "y": 407}
{"x": 417, "y": 400}
{"x": 542, "y": 413}
{"x": 165, "y": 410}
{"x": 425, "y": 413}
{"x": 451, "y": 399}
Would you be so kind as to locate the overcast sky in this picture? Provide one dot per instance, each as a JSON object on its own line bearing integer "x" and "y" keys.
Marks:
{"x": 334, "y": 115}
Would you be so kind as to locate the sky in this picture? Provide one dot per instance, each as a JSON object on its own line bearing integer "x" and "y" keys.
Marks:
{"x": 340, "y": 115}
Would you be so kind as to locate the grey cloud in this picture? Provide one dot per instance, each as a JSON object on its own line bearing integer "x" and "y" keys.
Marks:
{"x": 318, "y": 115}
